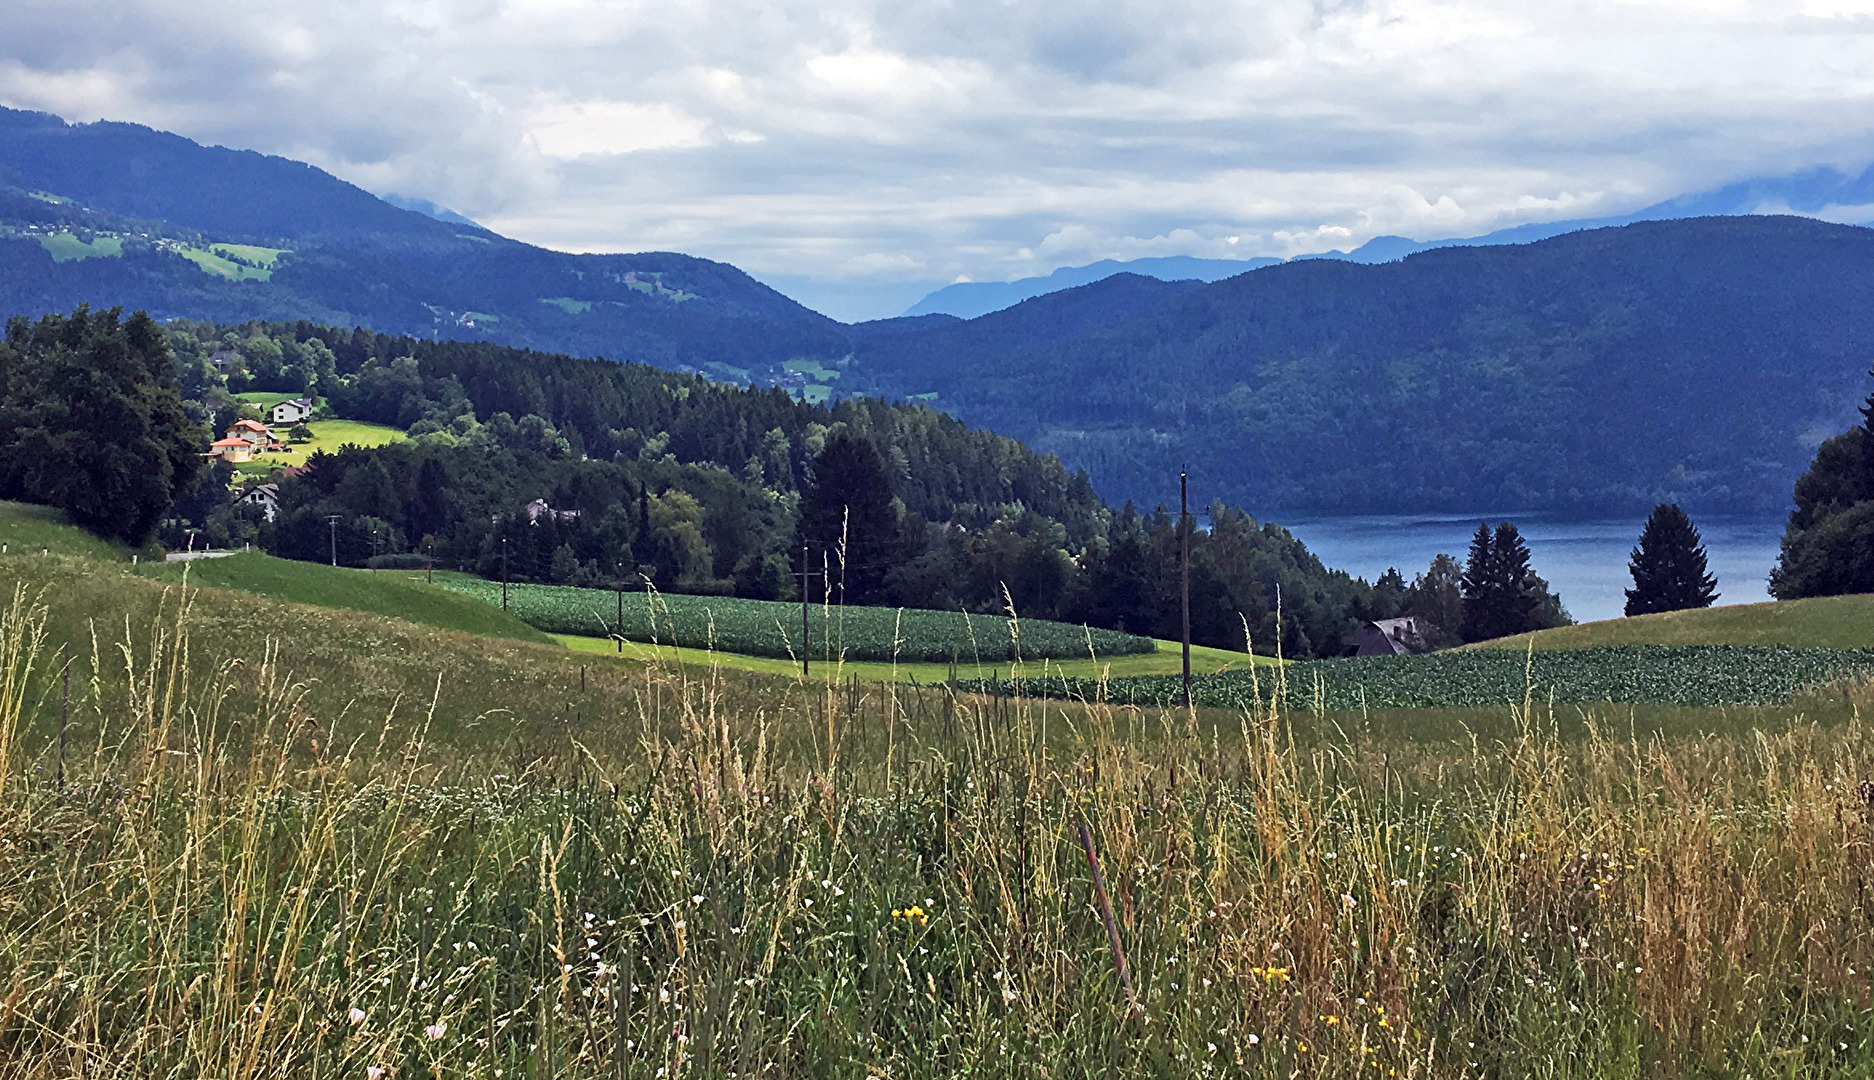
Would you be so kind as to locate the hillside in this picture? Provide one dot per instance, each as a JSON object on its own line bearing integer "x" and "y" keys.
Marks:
{"x": 116, "y": 214}
{"x": 1699, "y": 360}
{"x": 1826, "y": 622}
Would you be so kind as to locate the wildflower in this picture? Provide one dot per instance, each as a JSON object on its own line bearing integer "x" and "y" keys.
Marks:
{"x": 1252, "y": 1039}
{"x": 356, "y": 1015}
{"x": 372, "y": 1072}
{"x": 1347, "y": 901}
{"x": 1330, "y": 1021}
{"x": 435, "y": 1030}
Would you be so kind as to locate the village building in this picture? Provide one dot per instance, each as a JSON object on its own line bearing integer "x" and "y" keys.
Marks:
{"x": 1388, "y": 637}
{"x": 231, "y": 449}
{"x": 293, "y": 411}
{"x": 265, "y": 496}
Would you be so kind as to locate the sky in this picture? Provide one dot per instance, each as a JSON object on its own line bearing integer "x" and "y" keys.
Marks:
{"x": 859, "y": 154}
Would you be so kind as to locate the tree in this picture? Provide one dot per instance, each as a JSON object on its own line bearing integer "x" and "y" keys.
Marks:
{"x": 92, "y": 421}
{"x": 1668, "y": 566}
{"x": 299, "y": 433}
{"x": 847, "y": 512}
{"x": 1436, "y": 599}
{"x": 1502, "y": 595}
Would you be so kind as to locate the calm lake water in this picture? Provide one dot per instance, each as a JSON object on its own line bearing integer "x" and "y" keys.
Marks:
{"x": 1583, "y": 560}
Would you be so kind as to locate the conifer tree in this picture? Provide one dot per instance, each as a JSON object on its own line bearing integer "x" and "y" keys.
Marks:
{"x": 1669, "y": 572}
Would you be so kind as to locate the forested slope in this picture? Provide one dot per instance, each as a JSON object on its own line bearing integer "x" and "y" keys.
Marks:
{"x": 1698, "y": 361}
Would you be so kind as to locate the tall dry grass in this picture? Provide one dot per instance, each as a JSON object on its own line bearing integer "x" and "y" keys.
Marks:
{"x": 892, "y": 882}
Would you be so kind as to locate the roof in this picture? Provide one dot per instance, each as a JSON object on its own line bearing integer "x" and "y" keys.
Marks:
{"x": 229, "y": 442}
{"x": 251, "y": 425}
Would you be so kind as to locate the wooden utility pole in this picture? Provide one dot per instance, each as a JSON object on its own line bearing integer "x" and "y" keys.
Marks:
{"x": 806, "y": 632}
{"x": 1184, "y": 539}
{"x": 331, "y": 525}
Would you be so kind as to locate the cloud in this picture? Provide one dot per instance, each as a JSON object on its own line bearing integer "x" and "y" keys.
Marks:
{"x": 854, "y": 140}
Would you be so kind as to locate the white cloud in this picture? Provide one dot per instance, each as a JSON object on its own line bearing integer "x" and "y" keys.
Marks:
{"x": 852, "y": 140}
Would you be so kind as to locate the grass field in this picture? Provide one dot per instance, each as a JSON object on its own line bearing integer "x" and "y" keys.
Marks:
{"x": 239, "y": 866}
{"x": 1165, "y": 659}
{"x": 28, "y": 529}
{"x": 65, "y": 247}
{"x": 327, "y": 435}
{"x": 264, "y": 399}
{"x": 1828, "y": 622}
{"x": 366, "y": 591}
{"x": 214, "y": 260}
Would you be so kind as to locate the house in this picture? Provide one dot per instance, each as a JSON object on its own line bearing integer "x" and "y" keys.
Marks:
{"x": 265, "y": 496}
{"x": 290, "y": 412}
{"x": 539, "y": 509}
{"x": 225, "y": 360}
{"x": 1388, "y": 637}
{"x": 231, "y": 449}
{"x": 257, "y": 433}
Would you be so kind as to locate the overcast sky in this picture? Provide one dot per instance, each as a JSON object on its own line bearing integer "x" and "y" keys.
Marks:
{"x": 888, "y": 148}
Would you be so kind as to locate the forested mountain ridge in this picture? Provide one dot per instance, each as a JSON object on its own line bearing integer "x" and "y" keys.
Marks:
{"x": 1697, "y": 361}
{"x": 120, "y": 215}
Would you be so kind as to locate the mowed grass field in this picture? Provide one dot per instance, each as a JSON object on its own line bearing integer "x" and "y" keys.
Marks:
{"x": 364, "y": 591}
{"x": 1164, "y": 659}
{"x": 327, "y": 435}
{"x": 1830, "y": 622}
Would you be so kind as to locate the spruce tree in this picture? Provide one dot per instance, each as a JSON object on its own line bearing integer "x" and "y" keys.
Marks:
{"x": 1668, "y": 566}
{"x": 1502, "y": 596}
{"x": 848, "y": 520}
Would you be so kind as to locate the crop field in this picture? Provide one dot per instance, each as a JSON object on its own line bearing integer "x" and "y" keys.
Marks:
{"x": 772, "y": 629}
{"x": 1683, "y": 675}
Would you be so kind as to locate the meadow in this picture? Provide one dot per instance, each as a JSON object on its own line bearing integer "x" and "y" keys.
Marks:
{"x": 773, "y": 629}
{"x": 327, "y": 436}
{"x": 244, "y": 837}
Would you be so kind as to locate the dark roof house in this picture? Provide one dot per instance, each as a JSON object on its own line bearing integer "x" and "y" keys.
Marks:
{"x": 1388, "y": 637}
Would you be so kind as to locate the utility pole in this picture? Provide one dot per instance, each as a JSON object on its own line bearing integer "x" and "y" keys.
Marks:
{"x": 504, "y": 573}
{"x": 620, "y": 579}
{"x": 806, "y": 633}
{"x": 1184, "y": 533}
{"x": 331, "y": 526}
{"x": 432, "y": 562}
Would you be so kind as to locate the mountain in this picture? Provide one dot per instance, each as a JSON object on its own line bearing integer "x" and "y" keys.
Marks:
{"x": 968, "y": 299}
{"x": 116, "y": 214}
{"x": 922, "y": 350}
{"x": 1699, "y": 360}
{"x": 1823, "y": 192}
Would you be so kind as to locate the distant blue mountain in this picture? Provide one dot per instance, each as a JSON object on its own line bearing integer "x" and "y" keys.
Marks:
{"x": 1809, "y": 192}
{"x": 968, "y": 299}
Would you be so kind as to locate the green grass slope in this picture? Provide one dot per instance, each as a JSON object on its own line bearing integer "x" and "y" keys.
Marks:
{"x": 31, "y": 529}
{"x": 1825, "y": 622}
{"x": 364, "y": 591}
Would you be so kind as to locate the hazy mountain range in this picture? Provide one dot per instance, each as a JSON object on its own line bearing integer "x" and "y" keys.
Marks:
{"x": 1699, "y": 359}
{"x": 1825, "y": 192}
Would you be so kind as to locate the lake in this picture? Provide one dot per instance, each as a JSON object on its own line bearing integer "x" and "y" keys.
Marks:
{"x": 1583, "y": 560}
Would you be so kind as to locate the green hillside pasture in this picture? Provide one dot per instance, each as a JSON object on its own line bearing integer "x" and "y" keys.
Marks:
{"x": 772, "y": 629}
{"x": 327, "y": 435}
{"x": 262, "y": 257}
{"x": 1825, "y": 622}
{"x": 65, "y": 247}
{"x": 1164, "y": 660}
{"x": 264, "y": 399}
{"x": 32, "y": 529}
{"x": 211, "y": 261}
{"x": 1677, "y": 675}
{"x": 368, "y": 591}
